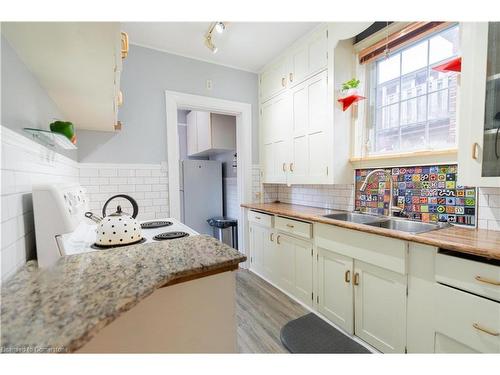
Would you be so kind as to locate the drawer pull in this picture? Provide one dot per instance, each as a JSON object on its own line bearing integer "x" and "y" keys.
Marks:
{"x": 487, "y": 281}
{"x": 284, "y": 167}
{"x": 356, "y": 278}
{"x": 475, "y": 151}
{"x": 271, "y": 237}
{"x": 347, "y": 276}
{"x": 257, "y": 217}
{"x": 290, "y": 226}
{"x": 485, "y": 330}
{"x": 278, "y": 239}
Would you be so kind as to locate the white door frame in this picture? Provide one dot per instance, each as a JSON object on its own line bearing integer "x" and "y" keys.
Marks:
{"x": 243, "y": 112}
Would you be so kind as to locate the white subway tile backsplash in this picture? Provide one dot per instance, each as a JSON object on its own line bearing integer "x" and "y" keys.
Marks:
{"x": 24, "y": 164}
{"x": 147, "y": 184}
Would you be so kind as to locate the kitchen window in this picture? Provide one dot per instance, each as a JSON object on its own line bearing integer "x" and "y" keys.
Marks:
{"x": 413, "y": 107}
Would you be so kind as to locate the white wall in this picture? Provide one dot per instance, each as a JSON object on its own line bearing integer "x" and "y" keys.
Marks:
{"x": 146, "y": 75}
{"x": 24, "y": 164}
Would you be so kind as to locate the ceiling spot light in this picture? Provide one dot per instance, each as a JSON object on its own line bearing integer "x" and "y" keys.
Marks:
{"x": 220, "y": 27}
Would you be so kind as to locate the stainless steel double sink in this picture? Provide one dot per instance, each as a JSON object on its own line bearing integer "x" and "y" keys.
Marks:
{"x": 402, "y": 225}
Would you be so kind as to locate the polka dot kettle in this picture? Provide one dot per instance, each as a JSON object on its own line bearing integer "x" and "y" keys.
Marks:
{"x": 118, "y": 228}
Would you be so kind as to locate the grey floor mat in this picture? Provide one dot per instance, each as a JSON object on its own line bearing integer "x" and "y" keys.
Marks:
{"x": 311, "y": 334}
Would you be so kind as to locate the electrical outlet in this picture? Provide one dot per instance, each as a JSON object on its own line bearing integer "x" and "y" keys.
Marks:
{"x": 209, "y": 84}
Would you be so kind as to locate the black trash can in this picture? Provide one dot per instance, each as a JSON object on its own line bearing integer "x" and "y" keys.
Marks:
{"x": 225, "y": 230}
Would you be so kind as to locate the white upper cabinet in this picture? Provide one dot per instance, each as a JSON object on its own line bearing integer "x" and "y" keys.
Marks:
{"x": 308, "y": 140}
{"x": 275, "y": 129}
{"x": 309, "y": 58}
{"x": 274, "y": 80}
{"x": 77, "y": 63}
{"x": 208, "y": 133}
{"x": 479, "y": 114}
{"x": 310, "y": 132}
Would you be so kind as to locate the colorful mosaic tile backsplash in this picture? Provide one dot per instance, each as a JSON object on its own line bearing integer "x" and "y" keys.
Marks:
{"x": 428, "y": 194}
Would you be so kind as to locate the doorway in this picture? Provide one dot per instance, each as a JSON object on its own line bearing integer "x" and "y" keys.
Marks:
{"x": 176, "y": 101}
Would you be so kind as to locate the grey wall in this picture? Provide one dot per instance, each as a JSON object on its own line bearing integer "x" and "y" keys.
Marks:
{"x": 25, "y": 104}
{"x": 227, "y": 163}
{"x": 146, "y": 75}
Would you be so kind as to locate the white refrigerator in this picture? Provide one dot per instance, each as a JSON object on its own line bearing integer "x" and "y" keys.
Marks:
{"x": 201, "y": 193}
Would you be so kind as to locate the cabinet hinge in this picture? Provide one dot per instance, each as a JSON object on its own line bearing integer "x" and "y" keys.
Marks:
{"x": 317, "y": 300}
{"x": 327, "y": 170}
{"x": 407, "y": 291}
{"x": 312, "y": 296}
{"x": 327, "y": 33}
{"x": 251, "y": 259}
{"x": 261, "y": 111}
{"x": 406, "y": 350}
{"x": 327, "y": 55}
{"x": 317, "y": 257}
{"x": 312, "y": 252}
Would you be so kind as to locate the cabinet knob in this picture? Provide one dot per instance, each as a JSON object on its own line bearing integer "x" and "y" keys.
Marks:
{"x": 278, "y": 239}
{"x": 487, "y": 280}
{"x": 475, "y": 151}
{"x": 283, "y": 81}
{"x": 486, "y": 330}
{"x": 347, "y": 276}
{"x": 356, "y": 279}
{"x": 124, "y": 45}
{"x": 291, "y": 77}
{"x": 271, "y": 237}
{"x": 284, "y": 167}
{"x": 291, "y": 167}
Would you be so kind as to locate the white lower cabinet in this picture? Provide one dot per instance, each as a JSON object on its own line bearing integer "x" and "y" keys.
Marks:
{"x": 258, "y": 236}
{"x": 380, "y": 307}
{"x": 335, "y": 293}
{"x": 295, "y": 267}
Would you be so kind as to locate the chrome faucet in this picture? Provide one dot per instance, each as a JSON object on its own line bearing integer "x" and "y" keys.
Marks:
{"x": 391, "y": 187}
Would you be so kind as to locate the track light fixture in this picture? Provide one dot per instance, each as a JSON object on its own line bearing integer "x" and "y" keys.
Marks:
{"x": 220, "y": 27}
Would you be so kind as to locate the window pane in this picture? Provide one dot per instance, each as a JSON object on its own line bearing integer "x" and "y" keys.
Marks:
{"x": 413, "y": 137}
{"x": 388, "y": 68}
{"x": 442, "y": 133}
{"x": 413, "y": 111}
{"x": 388, "y": 93}
{"x": 438, "y": 105}
{"x": 414, "y": 84}
{"x": 441, "y": 80}
{"x": 387, "y": 141}
{"x": 414, "y": 58}
{"x": 388, "y": 117}
{"x": 444, "y": 45}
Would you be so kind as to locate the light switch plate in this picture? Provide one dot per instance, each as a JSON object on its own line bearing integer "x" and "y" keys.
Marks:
{"x": 209, "y": 84}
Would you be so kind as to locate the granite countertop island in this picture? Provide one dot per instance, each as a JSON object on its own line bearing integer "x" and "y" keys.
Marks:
{"x": 480, "y": 242}
{"x": 61, "y": 308}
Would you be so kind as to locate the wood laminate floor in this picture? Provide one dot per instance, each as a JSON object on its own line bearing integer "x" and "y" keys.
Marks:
{"x": 261, "y": 311}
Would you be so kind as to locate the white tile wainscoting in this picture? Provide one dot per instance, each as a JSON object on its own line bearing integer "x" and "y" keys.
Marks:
{"x": 146, "y": 183}
{"x": 230, "y": 186}
{"x": 25, "y": 163}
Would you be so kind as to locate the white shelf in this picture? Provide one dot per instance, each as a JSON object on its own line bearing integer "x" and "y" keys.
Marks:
{"x": 51, "y": 139}
{"x": 493, "y": 77}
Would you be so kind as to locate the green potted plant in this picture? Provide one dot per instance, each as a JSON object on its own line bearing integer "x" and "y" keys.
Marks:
{"x": 350, "y": 87}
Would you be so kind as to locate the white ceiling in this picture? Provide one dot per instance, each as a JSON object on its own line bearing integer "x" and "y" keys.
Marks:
{"x": 244, "y": 45}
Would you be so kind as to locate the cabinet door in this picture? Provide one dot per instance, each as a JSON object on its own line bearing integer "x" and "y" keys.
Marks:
{"x": 479, "y": 90}
{"x": 309, "y": 58}
{"x": 380, "y": 307}
{"x": 258, "y": 236}
{"x": 270, "y": 262}
{"x": 192, "y": 133}
{"x": 294, "y": 258}
{"x": 204, "y": 134}
{"x": 274, "y": 79}
{"x": 309, "y": 134}
{"x": 335, "y": 294}
{"x": 275, "y": 128}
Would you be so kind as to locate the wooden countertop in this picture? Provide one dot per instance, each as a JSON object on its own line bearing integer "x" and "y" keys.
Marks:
{"x": 481, "y": 242}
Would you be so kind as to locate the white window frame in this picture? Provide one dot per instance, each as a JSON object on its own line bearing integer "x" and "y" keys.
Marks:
{"x": 362, "y": 120}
